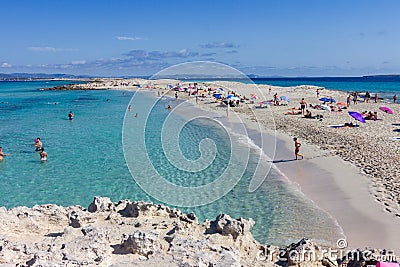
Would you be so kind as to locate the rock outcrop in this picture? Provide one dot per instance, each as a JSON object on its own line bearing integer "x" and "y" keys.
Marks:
{"x": 136, "y": 234}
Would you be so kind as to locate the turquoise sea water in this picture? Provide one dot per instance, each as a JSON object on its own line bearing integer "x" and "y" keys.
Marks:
{"x": 86, "y": 159}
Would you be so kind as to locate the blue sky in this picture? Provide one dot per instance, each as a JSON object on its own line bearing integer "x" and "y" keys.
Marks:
{"x": 267, "y": 38}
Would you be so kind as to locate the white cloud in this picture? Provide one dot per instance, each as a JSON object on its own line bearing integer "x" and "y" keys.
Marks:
{"x": 5, "y": 65}
{"x": 127, "y": 38}
{"x": 49, "y": 49}
{"x": 78, "y": 62}
{"x": 219, "y": 45}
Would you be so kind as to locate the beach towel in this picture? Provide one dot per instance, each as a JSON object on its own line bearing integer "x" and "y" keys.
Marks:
{"x": 343, "y": 126}
{"x": 387, "y": 264}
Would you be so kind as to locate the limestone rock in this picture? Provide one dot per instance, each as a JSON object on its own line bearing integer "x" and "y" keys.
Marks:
{"x": 100, "y": 204}
{"x": 140, "y": 242}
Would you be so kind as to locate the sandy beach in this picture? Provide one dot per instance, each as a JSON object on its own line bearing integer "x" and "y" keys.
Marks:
{"x": 350, "y": 172}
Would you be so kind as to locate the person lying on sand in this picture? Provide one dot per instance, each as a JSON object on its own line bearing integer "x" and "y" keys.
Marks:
{"x": 293, "y": 112}
{"x": 371, "y": 116}
{"x": 349, "y": 124}
{"x": 315, "y": 106}
{"x": 308, "y": 114}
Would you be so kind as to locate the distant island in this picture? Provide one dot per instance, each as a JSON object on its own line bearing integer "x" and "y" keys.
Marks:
{"x": 62, "y": 76}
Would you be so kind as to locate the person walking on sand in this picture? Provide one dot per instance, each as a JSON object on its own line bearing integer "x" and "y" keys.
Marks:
{"x": 176, "y": 96}
{"x": 355, "y": 98}
{"x": 2, "y": 155}
{"x": 318, "y": 93}
{"x": 348, "y": 100}
{"x": 376, "y": 97}
{"x": 303, "y": 105}
{"x": 297, "y": 145}
{"x": 394, "y": 98}
{"x": 276, "y": 101}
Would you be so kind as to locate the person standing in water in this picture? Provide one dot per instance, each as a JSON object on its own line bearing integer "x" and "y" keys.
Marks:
{"x": 2, "y": 155}
{"x": 297, "y": 145}
{"x": 43, "y": 155}
{"x": 38, "y": 144}
{"x": 70, "y": 115}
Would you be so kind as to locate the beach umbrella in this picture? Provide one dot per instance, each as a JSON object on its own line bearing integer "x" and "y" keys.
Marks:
{"x": 326, "y": 99}
{"x": 357, "y": 116}
{"x": 386, "y": 109}
{"x": 217, "y": 96}
{"x": 325, "y": 107}
{"x": 285, "y": 98}
{"x": 234, "y": 98}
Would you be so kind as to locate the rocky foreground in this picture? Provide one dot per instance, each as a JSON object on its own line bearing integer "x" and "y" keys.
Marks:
{"x": 142, "y": 234}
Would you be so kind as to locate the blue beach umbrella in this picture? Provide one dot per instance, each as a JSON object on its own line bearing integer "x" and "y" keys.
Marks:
{"x": 232, "y": 97}
{"x": 325, "y": 99}
{"x": 217, "y": 96}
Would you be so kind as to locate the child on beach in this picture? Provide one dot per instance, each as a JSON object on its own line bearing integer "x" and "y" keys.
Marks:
{"x": 297, "y": 145}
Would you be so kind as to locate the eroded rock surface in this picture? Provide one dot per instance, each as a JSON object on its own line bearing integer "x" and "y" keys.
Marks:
{"x": 136, "y": 234}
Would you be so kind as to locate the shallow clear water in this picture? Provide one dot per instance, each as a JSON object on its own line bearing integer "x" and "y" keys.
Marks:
{"x": 86, "y": 159}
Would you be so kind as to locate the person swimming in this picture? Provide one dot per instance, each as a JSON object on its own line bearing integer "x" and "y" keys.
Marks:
{"x": 70, "y": 115}
{"x": 2, "y": 155}
{"x": 169, "y": 107}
